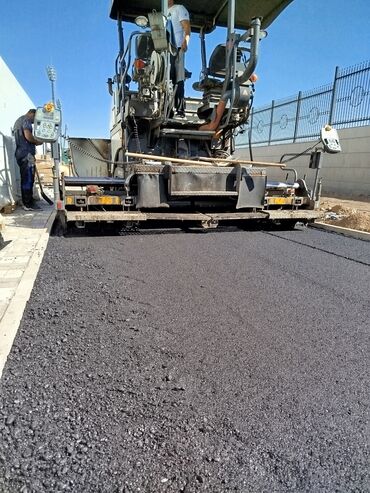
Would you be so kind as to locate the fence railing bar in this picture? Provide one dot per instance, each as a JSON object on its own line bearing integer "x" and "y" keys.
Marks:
{"x": 334, "y": 95}
{"x": 299, "y": 101}
{"x": 345, "y": 101}
{"x": 316, "y": 94}
{"x": 271, "y": 119}
{"x": 345, "y": 76}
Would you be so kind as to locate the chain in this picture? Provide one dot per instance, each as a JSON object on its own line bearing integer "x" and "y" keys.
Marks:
{"x": 87, "y": 153}
{"x": 136, "y": 135}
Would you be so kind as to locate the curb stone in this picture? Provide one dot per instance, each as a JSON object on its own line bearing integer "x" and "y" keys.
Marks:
{"x": 352, "y": 233}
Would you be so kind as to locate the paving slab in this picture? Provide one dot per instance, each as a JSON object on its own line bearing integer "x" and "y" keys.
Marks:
{"x": 25, "y": 236}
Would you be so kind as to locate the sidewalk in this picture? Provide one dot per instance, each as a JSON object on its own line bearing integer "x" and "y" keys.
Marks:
{"x": 25, "y": 235}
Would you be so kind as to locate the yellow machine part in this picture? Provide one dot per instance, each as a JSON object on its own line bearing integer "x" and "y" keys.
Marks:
{"x": 93, "y": 200}
{"x": 280, "y": 200}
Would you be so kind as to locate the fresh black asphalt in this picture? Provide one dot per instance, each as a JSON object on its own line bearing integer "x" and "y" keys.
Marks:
{"x": 227, "y": 361}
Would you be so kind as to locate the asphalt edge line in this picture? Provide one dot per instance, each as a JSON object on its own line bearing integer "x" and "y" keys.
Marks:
{"x": 352, "y": 233}
{"x": 12, "y": 317}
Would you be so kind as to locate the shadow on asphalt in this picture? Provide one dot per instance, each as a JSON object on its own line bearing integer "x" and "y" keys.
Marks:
{"x": 112, "y": 230}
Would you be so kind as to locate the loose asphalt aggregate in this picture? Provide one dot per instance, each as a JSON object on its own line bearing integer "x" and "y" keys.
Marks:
{"x": 183, "y": 362}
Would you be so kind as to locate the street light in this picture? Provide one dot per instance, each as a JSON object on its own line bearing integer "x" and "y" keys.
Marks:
{"x": 52, "y": 76}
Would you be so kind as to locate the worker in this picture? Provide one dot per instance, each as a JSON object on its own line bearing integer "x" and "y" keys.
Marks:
{"x": 180, "y": 19}
{"x": 25, "y": 155}
{"x": 220, "y": 108}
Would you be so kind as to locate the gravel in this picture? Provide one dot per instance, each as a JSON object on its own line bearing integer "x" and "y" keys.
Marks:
{"x": 226, "y": 361}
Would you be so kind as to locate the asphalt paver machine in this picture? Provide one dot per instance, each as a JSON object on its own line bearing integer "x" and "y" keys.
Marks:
{"x": 156, "y": 167}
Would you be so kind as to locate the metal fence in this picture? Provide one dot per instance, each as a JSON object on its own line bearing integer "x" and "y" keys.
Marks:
{"x": 343, "y": 103}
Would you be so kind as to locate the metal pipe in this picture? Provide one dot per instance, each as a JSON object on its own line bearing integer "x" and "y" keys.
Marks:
{"x": 243, "y": 161}
{"x": 255, "y": 39}
{"x": 229, "y": 43}
{"x": 231, "y": 49}
{"x": 314, "y": 194}
{"x": 219, "y": 12}
{"x": 233, "y": 88}
{"x": 122, "y": 76}
{"x": 230, "y": 56}
{"x": 52, "y": 92}
{"x": 204, "y": 71}
{"x": 333, "y": 96}
{"x": 250, "y": 136}
{"x": 164, "y": 7}
{"x": 318, "y": 193}
{"x": 294, "y": 171}
{"x": 231, "y": 17}
{"x": 295, "y": 155}
{"x": 54, "y": 146}
{"x": 193, "y": 162}
{"x": 121, "y": 42}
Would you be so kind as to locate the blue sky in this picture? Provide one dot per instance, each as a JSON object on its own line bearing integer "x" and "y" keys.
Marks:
{"x": 304, "y": 45}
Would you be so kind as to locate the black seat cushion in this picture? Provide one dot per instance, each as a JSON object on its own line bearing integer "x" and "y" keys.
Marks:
{"x": 207, "y": 84}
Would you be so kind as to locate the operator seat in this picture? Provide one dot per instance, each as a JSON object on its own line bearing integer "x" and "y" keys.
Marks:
{"x": 212, "y": 84}
{"x": 217, "y": 61}
{"x": 217, "y": 68}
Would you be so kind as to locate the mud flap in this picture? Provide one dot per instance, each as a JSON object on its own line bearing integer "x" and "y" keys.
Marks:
{"x": 251, "y": 187}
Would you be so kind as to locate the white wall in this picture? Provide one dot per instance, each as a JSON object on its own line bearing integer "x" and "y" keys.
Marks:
{"x": 346, "y": 174}
{"x": 14, "y": 102}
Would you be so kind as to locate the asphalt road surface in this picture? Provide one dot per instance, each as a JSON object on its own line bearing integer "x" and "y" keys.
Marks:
{"x": 225, "y": 361}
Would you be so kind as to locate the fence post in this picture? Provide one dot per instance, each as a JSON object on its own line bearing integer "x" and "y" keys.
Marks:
{"x": 333, "y": 96}
{"x": 271, "y": 120}
{"x": 250, "y": 133}
{"x": 297, "y": 116}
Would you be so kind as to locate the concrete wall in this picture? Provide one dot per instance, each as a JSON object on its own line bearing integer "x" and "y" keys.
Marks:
{"x": 346, "y": 174}
{"x": 14, "y": 102}
{"x": 9, "y": 174}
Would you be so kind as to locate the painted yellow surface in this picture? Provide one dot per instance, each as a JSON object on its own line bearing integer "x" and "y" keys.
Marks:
{"x": 107, "y": 200}
{"x": 96, "y": 200}
{"x": 280, "y": 200}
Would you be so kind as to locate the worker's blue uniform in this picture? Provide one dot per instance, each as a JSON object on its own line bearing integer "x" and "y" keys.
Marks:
{"x": 25, "y": 156}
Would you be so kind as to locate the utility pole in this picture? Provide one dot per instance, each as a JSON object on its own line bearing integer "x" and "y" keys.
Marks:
{"x": 52, "y": 76}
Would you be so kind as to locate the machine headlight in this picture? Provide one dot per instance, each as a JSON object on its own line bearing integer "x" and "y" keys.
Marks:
{"x": 141, "y": 21}
{"x": 48, "y": 107}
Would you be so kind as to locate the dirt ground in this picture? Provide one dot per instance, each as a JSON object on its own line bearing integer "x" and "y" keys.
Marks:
{"x": 346, "y": 213}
